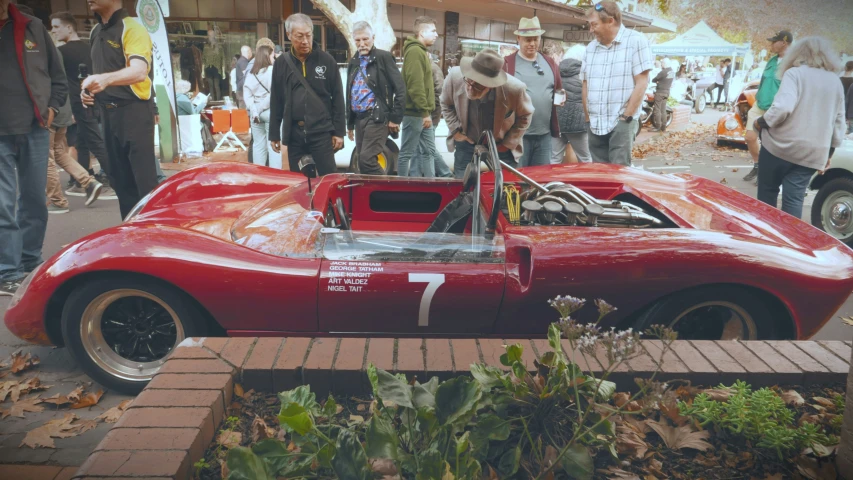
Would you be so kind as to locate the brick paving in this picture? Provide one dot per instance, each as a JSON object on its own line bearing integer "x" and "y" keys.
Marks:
{"x": 169, "y": 425}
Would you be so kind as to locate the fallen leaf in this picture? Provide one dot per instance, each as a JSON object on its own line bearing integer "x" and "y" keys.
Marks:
{"x": 86, "y": 425}
{"x": 58, "y": 428}
{"x": 824, "y": 401}
{"x": 621, "y": 399}
{"x": 22, "y": 362}
{"x": 775, "y": 476}
{"x": 383, "y": 466}
{"x": 360, "y": 407}
{"x": 356, "y": 419}
{"x": 813, "y": 469}
{"x": 791, "y": 397}
{"x": 735, "y": 169}
{"x": 26, "y": 405}
{"x": 718, "y": 394}
{"x": 260, "y": 430}
{"x": 14, "y": 389}
{"x": 640, "y": 426}
{"x": 809, "y": 418}
{"x": 112, "y": 415}
{"x": 847, "y": 321}
{"x": 72, "y": 397}
{"x": 339, "y": 409}
{"x": 629, "y": 442}
{"x": 615, "y": 473}
{"x": 724, "y": 181}
{"x": 223, "y": 469}
{"x": 677, "y": 438}
{"x": 655, "y": 467}
{"x": 88, "y": 400}
{"x": 238, "y": 390}
{"x": 669, "y": 407}
{"x": 229, "y": 439}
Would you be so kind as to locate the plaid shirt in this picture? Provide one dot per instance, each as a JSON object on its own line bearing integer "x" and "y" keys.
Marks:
{"x": 609, "y": 74}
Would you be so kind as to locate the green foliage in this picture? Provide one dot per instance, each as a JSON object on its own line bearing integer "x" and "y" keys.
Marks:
{"x": 758, "y": 416}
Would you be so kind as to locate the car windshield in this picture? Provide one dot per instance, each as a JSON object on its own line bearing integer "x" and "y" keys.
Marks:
{"x": 412, "y": 247}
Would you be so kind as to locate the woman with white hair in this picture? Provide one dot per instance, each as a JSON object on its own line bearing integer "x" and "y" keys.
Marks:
{"x": 804, "y": 126}
{"x": 256, "y": 94}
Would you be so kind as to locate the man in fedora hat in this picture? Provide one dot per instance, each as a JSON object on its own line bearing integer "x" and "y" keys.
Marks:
{"x": 615, "y": 75}
{"x": 478, "y": 96}
{"x": 542, "y": 77}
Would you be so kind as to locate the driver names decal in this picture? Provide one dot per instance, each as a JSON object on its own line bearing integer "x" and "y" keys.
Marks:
{"x": 351, "y": 276}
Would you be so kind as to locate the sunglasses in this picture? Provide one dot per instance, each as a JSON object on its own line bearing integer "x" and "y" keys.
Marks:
{"x": 538, "y": 68}
{"x": 474, "y": 85}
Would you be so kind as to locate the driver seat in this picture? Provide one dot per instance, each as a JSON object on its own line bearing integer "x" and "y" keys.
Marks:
{"x": 454, "y": 217}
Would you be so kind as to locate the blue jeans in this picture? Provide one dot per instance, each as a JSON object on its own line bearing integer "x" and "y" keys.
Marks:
{"x": 23, "y": 203}
{"x": 537, "y": 151}
{"x": 793, "y": 178}
{"x": 416, "y": 139}
{"x": 464, "y": 153}
{"x": 441, "y": 168}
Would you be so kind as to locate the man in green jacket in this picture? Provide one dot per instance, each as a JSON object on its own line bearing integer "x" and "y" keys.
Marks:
{"x": 767, "y": 89}
{"x": 417, "y": 124}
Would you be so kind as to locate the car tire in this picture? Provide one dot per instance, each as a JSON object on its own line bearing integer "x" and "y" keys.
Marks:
{"x": 669, "y": 118}
{"x": 700, "y": 103}
{"x": 692, "y": 314}
{"x": 836, "y": 194}
{"x": 388, "y": 159}
{"x": 721, "y": 143}
{"x": 171, "y": 317}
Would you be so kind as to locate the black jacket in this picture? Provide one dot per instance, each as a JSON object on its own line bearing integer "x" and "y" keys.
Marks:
{"x": 663, "y": 80}
{"x": 385, "y": 80}
{"x": 571, "y": 115}
{"x": 289, "y": 102}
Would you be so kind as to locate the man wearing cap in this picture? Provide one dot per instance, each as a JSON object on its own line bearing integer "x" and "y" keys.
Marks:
{"x": 767, "y": 89}
{"x": 615, "y": 75}
{"x": 478, "y": 96}
{"x": 542, "y": 77}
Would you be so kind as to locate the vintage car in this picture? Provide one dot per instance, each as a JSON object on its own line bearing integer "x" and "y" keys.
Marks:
{"x": 832, "y": 210}
{"x": 244, "y": 250}
{"x": 731, "y": 127}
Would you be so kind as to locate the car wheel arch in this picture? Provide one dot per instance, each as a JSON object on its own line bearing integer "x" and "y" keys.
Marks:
{"x": 779, "y": 309}
{"x": 53, "y": 311}
{"x": 820, "y": 180}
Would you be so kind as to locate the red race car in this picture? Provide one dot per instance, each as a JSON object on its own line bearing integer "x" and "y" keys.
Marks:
{"x": 238, "y": 249}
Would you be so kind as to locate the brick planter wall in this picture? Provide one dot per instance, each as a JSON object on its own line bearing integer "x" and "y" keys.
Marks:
{"x": 680, "y": 117}
{"x": 170, "y": 424}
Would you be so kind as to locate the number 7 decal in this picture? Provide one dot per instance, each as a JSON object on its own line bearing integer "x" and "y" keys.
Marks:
{"x": 433, "y": 281}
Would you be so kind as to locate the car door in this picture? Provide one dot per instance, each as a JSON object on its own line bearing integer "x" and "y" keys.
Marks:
{"x": 410, "y": 283}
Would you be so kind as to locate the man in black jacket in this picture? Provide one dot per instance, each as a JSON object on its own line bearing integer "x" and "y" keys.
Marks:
{"x": 310, "y": 122}
{"x": 663, "y": 83}
{"x": 375, "y": 96}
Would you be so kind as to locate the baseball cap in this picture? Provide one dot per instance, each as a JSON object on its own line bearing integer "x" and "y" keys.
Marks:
{"x": 783, "y": 35}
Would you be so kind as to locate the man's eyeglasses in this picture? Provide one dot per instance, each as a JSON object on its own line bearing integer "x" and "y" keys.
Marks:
{"x": 474, "y": 85}
{"x": 538, "y": 68}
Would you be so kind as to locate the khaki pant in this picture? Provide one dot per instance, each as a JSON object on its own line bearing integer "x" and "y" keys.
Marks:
{"x": 58, "y": 154}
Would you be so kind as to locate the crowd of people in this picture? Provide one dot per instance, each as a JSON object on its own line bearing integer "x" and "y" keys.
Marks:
{"x": 543, "y": 106}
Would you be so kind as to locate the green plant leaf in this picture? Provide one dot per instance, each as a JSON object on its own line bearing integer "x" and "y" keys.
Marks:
{"x": 488, "y": 427}
{"x": 518, "y": 370}
{"x": 301, "y": 395}
{"x": 330, "y": 408}
{"x": 577, "y": 462}
{"x": 391, "y": 388}
{"x": 423, "y": 394}
{"x": 296, "y": 418}
{"x": 245, "y": 465}
{"x": 462, "y": 443}
{"x": 549, "y": 359}
{"x": 274, "y": 453}
{"x": 606, "y": 389}
{"x": 431, "y": 466}
{"x": 508, "y": 464}
{"x": 382, "y": 441}
{"x": 456, "y": 398}
{"x": 512, "y": 355}
{"x": 554, "y": 335}
{"x": 487, "y": 376}
{"x": 373, "y": 376}
{"x": 350, "y": 461}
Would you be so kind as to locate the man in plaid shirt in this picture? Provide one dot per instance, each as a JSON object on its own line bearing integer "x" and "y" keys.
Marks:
{"x": 615, "y": 75}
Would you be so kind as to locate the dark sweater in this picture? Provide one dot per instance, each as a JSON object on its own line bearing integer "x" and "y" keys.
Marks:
{"x": 571, "y": 114}
{"x": 73, "y": 54}
{"x": 291, "y": 103}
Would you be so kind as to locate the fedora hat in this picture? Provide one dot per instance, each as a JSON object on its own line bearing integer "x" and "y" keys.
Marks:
{"x": 529, "y": 27}
{"x": 486, "y": 68}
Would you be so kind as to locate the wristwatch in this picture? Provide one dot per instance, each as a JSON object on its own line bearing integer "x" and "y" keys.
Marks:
{"x": 627, "y": 119}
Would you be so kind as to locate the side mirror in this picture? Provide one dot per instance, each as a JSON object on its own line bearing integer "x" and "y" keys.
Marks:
{"x": 307, "y": 166}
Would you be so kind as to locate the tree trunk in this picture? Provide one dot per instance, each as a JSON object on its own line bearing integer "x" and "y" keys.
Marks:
{"x": 374, "y": 12}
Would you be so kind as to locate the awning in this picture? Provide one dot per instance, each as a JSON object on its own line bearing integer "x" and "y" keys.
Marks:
{"x": 700, "y": 40}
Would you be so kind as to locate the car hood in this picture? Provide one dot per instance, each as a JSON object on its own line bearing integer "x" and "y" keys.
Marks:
{"x": 693, "y": 202}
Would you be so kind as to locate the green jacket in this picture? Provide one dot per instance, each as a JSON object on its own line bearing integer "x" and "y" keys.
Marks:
{"x": 769, "y": 84}
{"x": 417, "y": 73}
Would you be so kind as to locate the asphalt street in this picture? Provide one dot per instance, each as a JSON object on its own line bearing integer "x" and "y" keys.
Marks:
{"x": 59, "y": 369}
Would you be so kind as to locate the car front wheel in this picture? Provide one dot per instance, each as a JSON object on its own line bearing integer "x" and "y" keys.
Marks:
{"x": 713, "y": 313}
{"x": 832, "y": 210}
{"x": 122, "y": 330}
{"x": 700, "y": 103}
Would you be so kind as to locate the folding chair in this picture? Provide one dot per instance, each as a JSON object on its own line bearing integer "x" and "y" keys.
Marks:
{"x": 230, "y": 119}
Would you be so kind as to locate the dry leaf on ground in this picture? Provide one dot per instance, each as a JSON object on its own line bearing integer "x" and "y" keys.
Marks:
{"x": 847, "y": 321}
{"x": 383, "y": 466}
{"x": 621, "y": 398}
{"x": 640, "y": 426}
{"x": 814, "y": 470}
{"x": 824, "y": 401}
{"x": 718, "y": 394}
{"x": 229, "y": 439}
{"x": 58, "y": 428}
{"x": 791, "y": 397}
{"x": 21, "y": 362}
{"x": 26, "y": 405}
{"x": 14, "y": 389}
{"x": 677, "y": 438}
{"x": 238, "y": 390}
{"x": 614, "y": 473}
{"x": 669, "y": 407}
{"x": 89, "y": 400}
{"x": 628, "y": 441}
{"x": 112, "y": 415}
{"x": 72, "y": 397}
{"x": 260, "y": 430}
{"x": 86, "y": 425}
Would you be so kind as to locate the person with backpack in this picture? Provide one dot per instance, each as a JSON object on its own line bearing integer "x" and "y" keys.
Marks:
{"x": 256, "y": 94}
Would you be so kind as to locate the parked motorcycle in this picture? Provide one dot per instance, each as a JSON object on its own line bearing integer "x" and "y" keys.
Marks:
{"x": 648, "y": 107}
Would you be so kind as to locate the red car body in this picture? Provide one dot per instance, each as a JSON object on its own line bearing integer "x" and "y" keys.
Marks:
{"x": 242, "y": 241}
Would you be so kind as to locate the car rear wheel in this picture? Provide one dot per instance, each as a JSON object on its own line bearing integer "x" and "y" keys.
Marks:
{"x": 832, "y": 210}
{"x": 700, "y": 103}
{"x": 387, "y": 159}
{"x": 713, "y": 313}
{"x": 122, "y": 330}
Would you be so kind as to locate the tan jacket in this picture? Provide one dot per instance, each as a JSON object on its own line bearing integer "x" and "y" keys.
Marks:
{"x": 513, "y": 111}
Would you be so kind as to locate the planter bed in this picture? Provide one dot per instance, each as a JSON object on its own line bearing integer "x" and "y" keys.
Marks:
{"x": 172, "y": 423}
